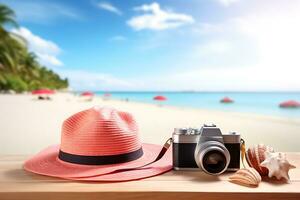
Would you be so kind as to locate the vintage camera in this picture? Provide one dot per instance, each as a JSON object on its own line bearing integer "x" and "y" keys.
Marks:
{"x": 206, "y": 149}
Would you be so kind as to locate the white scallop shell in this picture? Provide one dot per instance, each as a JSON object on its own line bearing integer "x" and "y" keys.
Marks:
{"x": 277, "y": 165}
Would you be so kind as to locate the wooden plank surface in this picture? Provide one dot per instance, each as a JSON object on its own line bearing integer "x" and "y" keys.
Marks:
{"x": 15, "y": 183}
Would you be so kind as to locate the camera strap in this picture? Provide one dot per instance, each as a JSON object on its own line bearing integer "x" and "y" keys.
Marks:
{"x": 162, "y": 152}
{"x": 243, "y": 151}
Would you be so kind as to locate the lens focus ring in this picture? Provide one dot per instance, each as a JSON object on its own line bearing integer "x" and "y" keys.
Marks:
{"x": 212, "y": 157}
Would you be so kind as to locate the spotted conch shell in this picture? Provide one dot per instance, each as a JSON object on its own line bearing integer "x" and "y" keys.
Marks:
{"x": 255, "y": 155}
{"x": 247, "y": 176}
{"x": 277, "y": 165}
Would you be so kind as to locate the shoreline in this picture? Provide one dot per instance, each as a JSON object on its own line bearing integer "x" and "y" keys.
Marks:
{"x": 242, "y": 114}
{"x": 214, "y": 111}
{"x": 28, "y": 125}
{"x": 245, "y": 104}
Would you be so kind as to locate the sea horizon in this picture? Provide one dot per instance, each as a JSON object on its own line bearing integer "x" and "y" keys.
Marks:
{"x": 264, "y": 103}
{"x": 186, "y": 91}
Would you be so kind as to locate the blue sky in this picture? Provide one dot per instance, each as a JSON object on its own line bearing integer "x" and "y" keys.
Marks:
{"x": 206, "y": 45}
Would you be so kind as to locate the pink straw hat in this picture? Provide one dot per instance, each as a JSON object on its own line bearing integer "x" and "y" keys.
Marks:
{"x": 100, "y": 144}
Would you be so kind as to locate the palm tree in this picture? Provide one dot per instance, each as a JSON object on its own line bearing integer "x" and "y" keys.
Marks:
{"x": 30, "y": 67}
{"x": 10, "y": 53}
{"x": 19, "y": 68}
{"x": 7, "y": 45}
{"x": 7, "y": 16}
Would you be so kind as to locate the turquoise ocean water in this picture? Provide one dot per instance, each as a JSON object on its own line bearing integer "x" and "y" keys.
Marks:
{"x": 265, "y": 103}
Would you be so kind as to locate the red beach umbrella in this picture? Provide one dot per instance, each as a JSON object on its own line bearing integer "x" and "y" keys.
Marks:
{"x": 226, "y": 100}
{"x": 290, "y": 104}
{"x": 42, "y": 92}
{"x": 160, "y": 98}
{"x": 87, "y": 94}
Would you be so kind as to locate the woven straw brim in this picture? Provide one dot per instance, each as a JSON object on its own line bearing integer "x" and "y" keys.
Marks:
{"x": 47, "y": 163}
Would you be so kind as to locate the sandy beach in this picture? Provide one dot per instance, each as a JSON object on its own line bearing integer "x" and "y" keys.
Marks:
{"x": 28, "y": 125}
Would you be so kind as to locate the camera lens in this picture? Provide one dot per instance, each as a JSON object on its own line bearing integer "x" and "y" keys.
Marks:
{"x": 212, "y": 157}
{"x": 214, "y": 162}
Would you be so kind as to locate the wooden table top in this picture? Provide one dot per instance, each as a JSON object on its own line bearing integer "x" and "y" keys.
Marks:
{"x": 15, "y": 183}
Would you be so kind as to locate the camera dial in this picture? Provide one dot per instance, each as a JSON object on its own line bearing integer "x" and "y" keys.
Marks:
{"x": 180, "y": 131}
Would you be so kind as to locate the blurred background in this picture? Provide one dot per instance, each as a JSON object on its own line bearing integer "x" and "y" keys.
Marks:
{"x": 170, "y": 63}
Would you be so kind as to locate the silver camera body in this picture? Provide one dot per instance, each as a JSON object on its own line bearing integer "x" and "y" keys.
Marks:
{"x": 206, "y": 149}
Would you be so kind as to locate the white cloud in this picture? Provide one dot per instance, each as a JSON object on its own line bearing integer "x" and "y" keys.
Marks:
{"x": 207, "y": 28}
{"x": 256, "y": 52}
{"x": 109, "y": 7}
{"x": 46, "y": 50}
{"x": 276, "y": 36}
{"x": 155, "y": 18}
{"x": 213, "y": 48}
{"x": 227, "y": 2}
{"x": 84, "y": 80}
{"x": 252, "y": 78}
{"x": 47, "y": 59}
{"x": 272, "y": 34}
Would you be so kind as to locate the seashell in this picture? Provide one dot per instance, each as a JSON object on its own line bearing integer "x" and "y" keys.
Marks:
{"x": 277, "y": 165}
{"x": 255, "y": 155}
{"x": 246, "y": 176}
